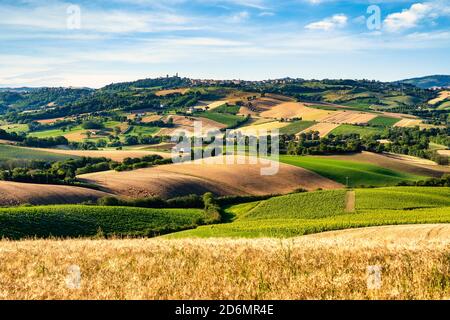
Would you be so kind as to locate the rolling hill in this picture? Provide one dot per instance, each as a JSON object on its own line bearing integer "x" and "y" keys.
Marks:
{"x": 14, "y": 193}
{"x": 429, "y": 81}
{"x": 201, "y": 176}
{"x": 316, "y": 212}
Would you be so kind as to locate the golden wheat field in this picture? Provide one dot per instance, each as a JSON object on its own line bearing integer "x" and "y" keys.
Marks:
{"x": 408, "y": 123}
{"x": 301, "y": 268}
{"x": 290, "y": 110}
{"x": 323, "y": 128}
{"x": 442, "y": 96}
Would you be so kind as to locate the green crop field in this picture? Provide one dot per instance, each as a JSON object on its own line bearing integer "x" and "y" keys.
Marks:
{"x": 402, "y": 198}
{"x": 382, "y": 121}
{"x": 12, "y": 153}
{"x": 296, "y": 127}
{"x": 86, "y": 221}
{"x": 301, "y": 206}
{"x": 229, "y": 120}
{"x": 358, "y": 173}
{"x": 362, "y": 131}
{"x": 270, "y": 218}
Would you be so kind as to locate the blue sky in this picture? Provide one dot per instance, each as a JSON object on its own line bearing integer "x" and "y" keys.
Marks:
{"x": 94, "y": 43}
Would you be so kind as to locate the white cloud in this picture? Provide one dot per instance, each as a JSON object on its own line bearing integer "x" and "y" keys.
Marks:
{"x": 336, "y": 21}
{"x": 54, "y": 17}
{"x": 240, "y": 16}
{"x": 408, "y": 18}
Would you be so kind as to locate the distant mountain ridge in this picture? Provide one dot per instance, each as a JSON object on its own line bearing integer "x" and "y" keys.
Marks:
{"x": 428, "y": 82}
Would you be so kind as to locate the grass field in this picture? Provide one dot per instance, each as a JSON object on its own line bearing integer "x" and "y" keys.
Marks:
{"x": 308, "y": 213}
{"x": 362, "y": 131}
{"x": 12, "y": 153}
{"x": 56, "y": 132}
{"x": 231, "y": 109}
{"x": 85, "y": 221}
{"x": 358, "y": 173}
{"x": 382, "y": 121}
{"x": 296, "y": 127}
{"x": 17, "y": 128}
{"x": 229, "y": 120}
{"x": 143, "y": 130}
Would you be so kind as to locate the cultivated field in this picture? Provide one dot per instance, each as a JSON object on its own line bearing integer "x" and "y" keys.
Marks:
{"x": 265, "y": 127}
{"x": 395, "y": 163}
{"x": 316, "y": 212}
{"x": 322, "y": 127}
{"x": 408, "y": 123}
{"x": 363, "y": 131}
{"x": 216, "y": 104}
{"x": 186, "y": 125}
{"x": 290, "y": 110}
{"x": 357, "y": 172}
{"x": 349, "y": 117}
{"x": 300, "y": 268}
{"x": 116, "y": 155}
{"x": 16, "y": 154}
{"x": 442, "y": 96}
{"x": 162, "y": 93}
{"x": 14, "y": 193}
{"x": 80, "y": 221}
{"x": 421, "y": 233}
{"x": 200, "y": 177}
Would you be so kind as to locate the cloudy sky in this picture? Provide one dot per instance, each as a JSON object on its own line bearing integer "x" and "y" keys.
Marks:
{"x": 93, "y": 43}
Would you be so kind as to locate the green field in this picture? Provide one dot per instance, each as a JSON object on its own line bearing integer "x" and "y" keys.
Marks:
{"x": 402, "y": 198}
{"x": 54, "y": 132}
{"x": 362, "y": 131}
{"x": 358, "y": 173}
{"x": 86, "y": 221}
{"x": 229, "y": 120}
{"x": 251, "y": 221}
{"x": 17, "y": 128}
{"x": 296, "y": 127}
{"x": 444, "y": 105}
{"x": 301, "y": 206}
{"x": 227, "y": 109}
{"x": 382, "y": 121}
{"x": 143, "y": 130}
{"x": 12, "y": 153}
